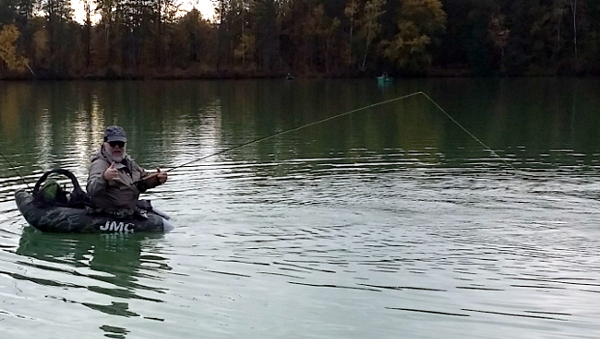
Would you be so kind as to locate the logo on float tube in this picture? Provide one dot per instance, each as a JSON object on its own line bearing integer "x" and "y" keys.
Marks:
{"x": 113, "y": 226}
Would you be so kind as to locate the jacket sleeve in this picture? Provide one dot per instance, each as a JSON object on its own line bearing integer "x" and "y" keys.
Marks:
{"x": 96, "y": 183}
{"x": 145, "y": 184}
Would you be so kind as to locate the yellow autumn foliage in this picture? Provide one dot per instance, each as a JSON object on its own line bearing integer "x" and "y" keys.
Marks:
{"x": 419, "y": 23}
{"x": 8, "y": 51}
{"x": 246, "y": 47}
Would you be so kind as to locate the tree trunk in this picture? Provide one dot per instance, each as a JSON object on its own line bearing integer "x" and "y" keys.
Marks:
{"x": 366, "y": 50}
{"x": 557, "y": 47}
{"x": 88, "y": 33}
{"x": 574, "y": 10}
{"x": 351, "y": 31}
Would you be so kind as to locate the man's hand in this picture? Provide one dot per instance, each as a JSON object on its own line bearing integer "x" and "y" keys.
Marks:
{"x": 162, "y": 176}
{"x": 111, "y": 173}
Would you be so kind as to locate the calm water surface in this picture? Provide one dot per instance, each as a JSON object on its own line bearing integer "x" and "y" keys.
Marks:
{"x": 390, "y": 222}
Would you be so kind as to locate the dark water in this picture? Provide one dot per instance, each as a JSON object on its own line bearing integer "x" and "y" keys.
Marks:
{"x": 390, "y": 222}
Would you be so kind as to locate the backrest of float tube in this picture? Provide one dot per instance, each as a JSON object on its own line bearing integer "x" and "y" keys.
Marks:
{"x": 43, "y": 191}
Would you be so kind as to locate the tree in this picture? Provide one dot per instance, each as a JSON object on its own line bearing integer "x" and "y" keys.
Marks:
{"x": 58, "y": 15}
{"x": 318, "y": 29}
{"x": 351, "y": 11}
{"x": 330, "y": 33}
{"x": 246, "y": 47}
{"x": 193, "y": 33}
{"x": 87, "y": 37}
{"x": 289, "y": 32}
{"x": 163, "y": 16}
{"x": 111, "y": 12}
{"x": 223, "y": 8}
{"x": 137, "y": 25}
{"x": 548, "y": 32}
{"x": 264, "y": 21}
{"x": 420, "y": 21}
{"x": 573, "y": 4}
{"x": 370, "y": 24}
{"x": 498, "y": 34}
{"x": 8, "y": 11}
{"x": 8, "y": 51}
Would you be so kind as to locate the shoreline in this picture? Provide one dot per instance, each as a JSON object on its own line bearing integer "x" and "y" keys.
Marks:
{"x": 114, "y": 73}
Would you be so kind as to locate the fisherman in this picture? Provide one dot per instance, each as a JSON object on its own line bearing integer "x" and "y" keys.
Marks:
{"x": 115, "y": 181}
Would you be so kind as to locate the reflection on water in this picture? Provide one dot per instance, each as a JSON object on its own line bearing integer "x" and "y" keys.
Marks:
{"x": 110, "y": 266}
{"x": 391, "y": 220}
{"x": 115, "y": 261}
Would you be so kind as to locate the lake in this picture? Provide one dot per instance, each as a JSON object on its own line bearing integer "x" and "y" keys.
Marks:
{"x": 474, "y": 215}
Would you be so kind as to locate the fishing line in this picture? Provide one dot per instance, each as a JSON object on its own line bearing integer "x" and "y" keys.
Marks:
{"x": 469, "y": 133}
{"x": 14, "y": 169}
{"x": 381, "y": 103}
{"x": 293, "y": 130}
{"x": 341, "y": 115}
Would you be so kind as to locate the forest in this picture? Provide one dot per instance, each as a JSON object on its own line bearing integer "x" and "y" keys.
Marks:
{"x": 150, "y": 39}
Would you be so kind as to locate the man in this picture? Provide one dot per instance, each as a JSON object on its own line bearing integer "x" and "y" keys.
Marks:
{"x": 115, "y": 181}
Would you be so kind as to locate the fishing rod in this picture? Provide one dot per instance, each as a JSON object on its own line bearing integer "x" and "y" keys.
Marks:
{"x": 381, "y": 103}
{"x": 15, "y": 169}
{"x": 255, "y": 141}
{"x": 294, "y": 129}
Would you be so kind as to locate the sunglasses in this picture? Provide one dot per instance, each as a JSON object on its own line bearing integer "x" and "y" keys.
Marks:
{"x": 121, "y": 144}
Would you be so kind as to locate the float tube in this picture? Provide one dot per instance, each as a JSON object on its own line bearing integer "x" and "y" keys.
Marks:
{"x": 72, "y": 215}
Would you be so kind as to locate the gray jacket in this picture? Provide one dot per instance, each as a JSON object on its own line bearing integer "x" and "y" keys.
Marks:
{"x": 114, "y": 196}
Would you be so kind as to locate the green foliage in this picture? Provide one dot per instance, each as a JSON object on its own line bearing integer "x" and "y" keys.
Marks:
{"x": 263, "y": 15}
{"x": 370, "y": 26}
{"x": 140, "y": 38}
{"x": 351, "y": 12}
{"x": 419, "y": 22}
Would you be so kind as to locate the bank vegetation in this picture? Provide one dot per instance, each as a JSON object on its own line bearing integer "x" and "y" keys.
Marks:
{"x": 141, "y": 39}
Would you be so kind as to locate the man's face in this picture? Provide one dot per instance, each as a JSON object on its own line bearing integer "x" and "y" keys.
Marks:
{"x": 116, "y": 149}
